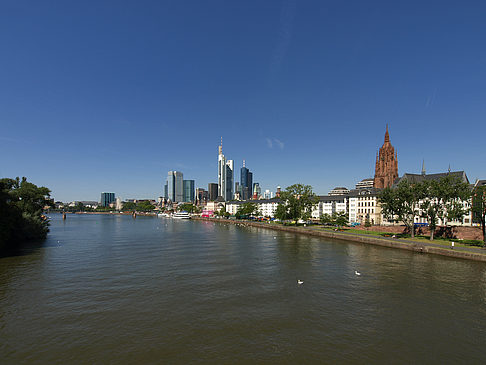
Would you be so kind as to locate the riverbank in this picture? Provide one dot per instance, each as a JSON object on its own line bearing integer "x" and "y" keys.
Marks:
{"x": 468, "y": 253}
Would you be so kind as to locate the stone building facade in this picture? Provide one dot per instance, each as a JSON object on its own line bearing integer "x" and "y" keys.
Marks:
{"x": 386, "y": 168}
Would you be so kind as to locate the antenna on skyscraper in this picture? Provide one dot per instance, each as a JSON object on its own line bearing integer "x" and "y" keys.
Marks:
{"x": 243, "y": 163}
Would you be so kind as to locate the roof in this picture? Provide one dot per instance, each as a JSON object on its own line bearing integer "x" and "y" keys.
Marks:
{"x": 330, "y": 198}
{"x": 364, "y": 191}
{"x": 417, "y": 178}
{"x": 480, "y": 183}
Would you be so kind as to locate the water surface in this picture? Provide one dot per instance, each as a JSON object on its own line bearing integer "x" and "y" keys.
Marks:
{"x": 113, "y": 289}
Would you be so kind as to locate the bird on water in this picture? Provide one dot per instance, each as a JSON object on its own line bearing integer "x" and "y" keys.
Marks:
{"x": 300, "y": 282}
{"x": 357, "y": 273}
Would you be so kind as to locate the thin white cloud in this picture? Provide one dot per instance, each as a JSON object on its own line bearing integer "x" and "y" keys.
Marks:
{"x": 274, "y": 142}
{"x": 279, "y": 143}
{"x": 431, "y": 98}
{"x": 285, "y": 35}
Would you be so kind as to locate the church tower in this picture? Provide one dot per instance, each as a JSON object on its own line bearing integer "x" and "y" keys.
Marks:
{"x": 386, "y": 168}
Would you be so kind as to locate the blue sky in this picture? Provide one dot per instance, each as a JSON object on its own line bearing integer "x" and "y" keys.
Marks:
{"x": 110, "y": 95}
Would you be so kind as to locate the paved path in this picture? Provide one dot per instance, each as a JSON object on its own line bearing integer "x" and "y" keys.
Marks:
{"x": 480, "y": 250}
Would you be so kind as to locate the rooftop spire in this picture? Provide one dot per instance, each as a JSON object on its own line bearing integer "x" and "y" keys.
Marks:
{"x": 387, "y": 136}
{"x": 423, "y": 167}
{"x": 243, "y": 163}
{"x": 220, "y": 148}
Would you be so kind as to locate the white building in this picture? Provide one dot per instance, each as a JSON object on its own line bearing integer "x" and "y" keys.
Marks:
{"x": 329, "y": 204}
{"x": 364, "y": 206}
{"x": 265, "y": 207}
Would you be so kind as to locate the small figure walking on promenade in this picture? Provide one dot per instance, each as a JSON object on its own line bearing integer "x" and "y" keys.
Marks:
{"x": 452, "y": 245}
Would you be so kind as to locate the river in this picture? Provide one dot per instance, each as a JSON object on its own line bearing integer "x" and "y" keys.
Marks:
{"x": 113, "y": 289}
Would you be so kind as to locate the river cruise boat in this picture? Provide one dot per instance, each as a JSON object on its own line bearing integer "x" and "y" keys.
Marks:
{"x": 181, "y": 215}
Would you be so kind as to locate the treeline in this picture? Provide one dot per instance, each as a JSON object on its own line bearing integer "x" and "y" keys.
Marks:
{"x": 438, "y": 201}
{"x": 21, "y": 212}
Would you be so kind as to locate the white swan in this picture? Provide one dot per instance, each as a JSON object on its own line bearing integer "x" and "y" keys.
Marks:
{"x": 357, "y": 273}
{"x": 300, "y": 282}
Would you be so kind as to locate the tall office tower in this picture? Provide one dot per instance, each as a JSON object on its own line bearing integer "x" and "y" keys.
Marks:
{"x": 175, "y": 188}
{"x": 189, "y": 191}
{"x": 107, "y": 199}
{"x": 257, "y": 191}
{"x": 246, "y": 182}
{"x": 225, "y": 175}
{"x": 202, "y": 196}
{"x": 212, "y": 191}
{"x": 237, "y": 195}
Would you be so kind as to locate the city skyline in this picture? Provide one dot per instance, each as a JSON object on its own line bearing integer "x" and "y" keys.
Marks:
{"x": 302, "y": 92}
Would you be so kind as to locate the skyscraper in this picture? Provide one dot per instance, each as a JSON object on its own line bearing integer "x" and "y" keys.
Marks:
{"x": 225, "y": 175}
{"x": 386, "y": 168}
{"x": 107, "y": 199}
{"x": 246, "y": 182}
{"x": 175, "y": 189}
{"x": 189, "y": 191}
{"x": 212, "y": 191}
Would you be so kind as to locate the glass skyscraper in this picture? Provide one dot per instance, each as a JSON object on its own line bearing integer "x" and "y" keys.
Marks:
{"x": 246, "y": 183}
{"x": 175, "y": 188}
{"x": 107, "y": 199}
{"x": 189, "y": 191}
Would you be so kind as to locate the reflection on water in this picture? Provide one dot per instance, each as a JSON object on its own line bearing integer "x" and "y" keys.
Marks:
{"x": 116, "y": 289}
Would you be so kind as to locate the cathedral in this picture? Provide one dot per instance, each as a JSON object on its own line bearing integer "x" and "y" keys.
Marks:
{"x": 386, "y": 168}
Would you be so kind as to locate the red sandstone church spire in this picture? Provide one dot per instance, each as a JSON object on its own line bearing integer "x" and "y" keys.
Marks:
{"x": 386, "y": 168}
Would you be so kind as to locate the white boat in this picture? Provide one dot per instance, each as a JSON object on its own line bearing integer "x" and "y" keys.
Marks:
{"x": 163, "y": 215}
{"x": 181, "y": 215}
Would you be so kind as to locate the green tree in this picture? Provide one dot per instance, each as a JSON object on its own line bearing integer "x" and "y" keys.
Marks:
{"x": 145, "y": 206}
{"x": 21, "y": 211}
{"x": 402, "y": 203}
{"x": 340, "y": 218}
{"x": 444, "y": 200}
{"x": 296, "y": 202}
{"x": 129, "y": 206}
{"x": 188, "y": 207}
{"x": 479, "y": 208}
{"x": 326, "y": 219}
{"x": 246, "y": 210}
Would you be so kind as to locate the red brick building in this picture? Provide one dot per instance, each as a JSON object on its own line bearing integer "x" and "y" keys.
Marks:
{"x": 386, "y": 168}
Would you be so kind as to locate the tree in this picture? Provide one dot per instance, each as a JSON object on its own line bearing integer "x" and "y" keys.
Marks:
{"x": 129, "y": 206}
{"x": 21, "y": 211}
{"x": 444, "y": 200}
{"x": 145, "y": 206}
{"x": 246, "y": 210}
{"x": 326, "y": 219}
{"x": 296, "y": 202}
{"x": 479, "y": 208}
{"x": 402, "y": 203}
{"x": 340, "y": 218}
{"x": 188, "y": 207}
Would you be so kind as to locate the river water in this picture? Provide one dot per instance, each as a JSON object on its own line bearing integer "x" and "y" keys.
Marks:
{"x": 113, "y": 289}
